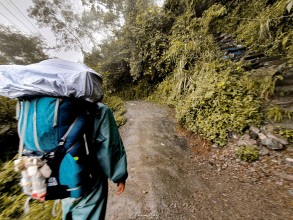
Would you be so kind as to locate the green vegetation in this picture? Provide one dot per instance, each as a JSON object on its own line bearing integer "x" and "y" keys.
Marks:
{"x": 262, "y": 25}
{"x": 287, "y": 133}
{"x": 277, "y": 114}
{"x": 8, "y": 132}
{"x": 247, "y": 153}
{"x": 214, "y": 96}
{"x": 7, "y": 110}
{"x": 12, "y": 200}
{"x": 17, "y": 48}
{"x": 116, "y": 104}
{"x": 169, "y": 55}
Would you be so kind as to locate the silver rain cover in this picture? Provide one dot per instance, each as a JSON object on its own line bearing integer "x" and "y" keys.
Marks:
{"x": 53, "y": 77}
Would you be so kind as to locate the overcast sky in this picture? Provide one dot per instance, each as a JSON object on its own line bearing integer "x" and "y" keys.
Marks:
{"x": 14, "y": 13}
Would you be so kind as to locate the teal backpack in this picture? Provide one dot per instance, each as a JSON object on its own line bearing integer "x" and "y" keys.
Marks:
{"x": 54, "y": 154}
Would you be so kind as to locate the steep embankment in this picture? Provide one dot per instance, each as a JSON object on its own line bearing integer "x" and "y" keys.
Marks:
{"x": 167, "y": 180}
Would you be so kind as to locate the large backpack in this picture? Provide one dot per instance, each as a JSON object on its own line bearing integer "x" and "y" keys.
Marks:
{"x": 54, "y": 152}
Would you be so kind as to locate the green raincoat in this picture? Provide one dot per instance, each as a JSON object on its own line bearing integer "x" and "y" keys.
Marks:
{"x": 108, "y": 150}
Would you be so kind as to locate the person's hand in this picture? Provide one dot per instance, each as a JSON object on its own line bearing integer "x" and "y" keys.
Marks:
{"x": 121, "y": 187}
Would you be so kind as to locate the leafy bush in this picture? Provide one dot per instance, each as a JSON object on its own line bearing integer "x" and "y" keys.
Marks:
{"x": 8, "y": 134}
{"x": 259, "y": 25}
{"x": 277, "y": 114}
{"x": 148, "y": 61}
{"x": 7, "y": 110}
{"x": 287, "y": 133}
{"x": 220, "y": 103}
{"x": 116, "y": 104}
{"x": 247, "y": 153}
{"x": 212, "y": 96}
{"x": 173, "y": 49}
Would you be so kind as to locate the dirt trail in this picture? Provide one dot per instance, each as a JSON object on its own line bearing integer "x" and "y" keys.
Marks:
{"x": 166, "y": 182}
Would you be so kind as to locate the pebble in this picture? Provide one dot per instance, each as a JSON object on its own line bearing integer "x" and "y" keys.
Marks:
{"x": 264, "y": 151}
{"x": 261, "y": 136}
{"x": 278, "y": 138}
{"x": 289, "y": 161}
{"x": 254, "y": 129}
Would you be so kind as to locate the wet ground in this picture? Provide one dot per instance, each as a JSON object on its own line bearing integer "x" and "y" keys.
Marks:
{"x": 167, "y": 182}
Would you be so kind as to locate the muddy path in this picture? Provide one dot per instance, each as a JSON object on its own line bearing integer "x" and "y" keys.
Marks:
{"x": 166, "y": 182}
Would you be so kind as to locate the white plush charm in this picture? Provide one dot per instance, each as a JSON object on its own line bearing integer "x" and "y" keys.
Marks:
{"x": 46, "y": 171}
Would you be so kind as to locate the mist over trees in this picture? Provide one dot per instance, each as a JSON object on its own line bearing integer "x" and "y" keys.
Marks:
{"x": 17, "y": 48}
{"x": 78, "y": 23}
{"x": 106, "y": 31}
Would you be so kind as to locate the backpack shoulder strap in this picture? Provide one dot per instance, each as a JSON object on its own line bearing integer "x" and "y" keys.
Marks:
{"x": 22, "y": 129}
{"x": 63, "y": 139}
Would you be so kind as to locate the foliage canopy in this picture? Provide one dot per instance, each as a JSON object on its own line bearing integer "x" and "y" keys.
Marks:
{"x": 17, "y": 48}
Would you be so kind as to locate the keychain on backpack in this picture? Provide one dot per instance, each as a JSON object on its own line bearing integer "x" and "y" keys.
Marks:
{"x": 34, "y": 172}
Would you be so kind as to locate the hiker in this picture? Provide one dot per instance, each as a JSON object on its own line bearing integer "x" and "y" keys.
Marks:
{"x": 69, "y": 141}
{"x": 111, "y": 159}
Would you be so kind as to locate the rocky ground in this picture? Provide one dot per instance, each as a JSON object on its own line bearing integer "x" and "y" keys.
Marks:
{"x": 176, "y": 175}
